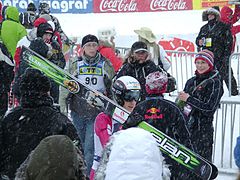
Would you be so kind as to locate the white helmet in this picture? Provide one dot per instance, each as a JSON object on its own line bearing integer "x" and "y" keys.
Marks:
{"x": 126, "y": 88}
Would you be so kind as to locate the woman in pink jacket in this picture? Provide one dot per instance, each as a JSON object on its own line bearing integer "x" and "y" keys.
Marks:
{"x": 126, "y": 92}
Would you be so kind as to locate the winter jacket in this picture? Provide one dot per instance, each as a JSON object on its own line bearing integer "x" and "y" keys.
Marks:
{"x": 79, "y": 105}
{"x": 104, "y": 127}
{"x": 56, "y": 157}
{"x": 228, "y": 17}
{"x": 12, "y": 31}
{"x": 109, "y": 53}
{"x": 237, "y": 152}
{"x": 221, "y": 41}
{"x": 140, "y": 72}
{"x": 24, "y": 127}
{"x": 168, "y": 118}
{"x": 132, "y": 154}
{"x": 6, "y": 77}
{"x": 205, "y": 92}
{"x": 37, "y": 45}
{"x": 25, "y": 41}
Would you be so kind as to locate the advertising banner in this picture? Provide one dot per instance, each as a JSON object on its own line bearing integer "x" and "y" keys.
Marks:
{"x": 123, "y": 6}
{"x": 203, "y": 4}
{"x": 56, "y": 6}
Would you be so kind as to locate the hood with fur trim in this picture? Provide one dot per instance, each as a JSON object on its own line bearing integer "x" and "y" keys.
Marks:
{"x": 210, "y": 11}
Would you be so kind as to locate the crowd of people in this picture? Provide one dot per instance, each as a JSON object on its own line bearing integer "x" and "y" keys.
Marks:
{"x": 58, "y": 135}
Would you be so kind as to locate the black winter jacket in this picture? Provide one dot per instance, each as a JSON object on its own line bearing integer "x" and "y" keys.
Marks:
{"x": 205, "y": 92}
{"x": 25, "y": 126}
{"x": 169, "y": 119}
{"x": 221, "y": 37}
{"x": 140, "y": 72}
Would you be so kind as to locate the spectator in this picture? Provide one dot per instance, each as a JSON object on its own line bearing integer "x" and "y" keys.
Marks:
{"x": 47, "y": 48}
{"x": 138, "y": 65}
{"x": 126, "y": 92}
{"x": 6, "y": 76}
{"x": 163, "y": 115}
{"x": 216, "y": 36}
{"x": 26, "y": 21}
{"x": 132, "y": 154}
{"x": 56, "y": 157}
{"x": 156, "y": 51}
{"x": 31, "y": 9}
{"x": 230, "y": 18}
{"x": 56, "y": 34}
{"x": 12, "y": 31}
{"x": 237, "y": 152}
{"x": 107, "y": 47}
{"x": 45, "y": 9}
{"x": 96, "y": 71}
{"x": 25, "y": 126}
{"x": 201, "y": 97}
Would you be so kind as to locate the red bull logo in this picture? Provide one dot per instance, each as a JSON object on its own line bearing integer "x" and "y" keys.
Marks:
{"x": 153, "y": 113}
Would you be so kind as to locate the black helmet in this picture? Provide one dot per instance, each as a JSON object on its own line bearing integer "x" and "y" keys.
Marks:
{"x": 43, "y": 8}
{"x": 44, "y": 28}
{"x": 126, "y": 88}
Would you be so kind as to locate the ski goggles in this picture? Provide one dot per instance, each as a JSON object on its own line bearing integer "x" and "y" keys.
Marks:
{"x": 132, "y": 95}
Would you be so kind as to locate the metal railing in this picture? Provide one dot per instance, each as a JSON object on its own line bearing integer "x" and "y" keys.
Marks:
{"x": 234, "y": 57}
{"x": 226, "y": 130}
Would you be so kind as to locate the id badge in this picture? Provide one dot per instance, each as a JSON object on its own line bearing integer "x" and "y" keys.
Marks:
{"x": 208, "y": 42}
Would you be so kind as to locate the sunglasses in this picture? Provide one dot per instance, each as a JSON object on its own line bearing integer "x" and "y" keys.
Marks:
{"x": 132, "y": 95}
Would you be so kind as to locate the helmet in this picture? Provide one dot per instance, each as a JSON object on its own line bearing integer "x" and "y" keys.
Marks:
{"x": 126, "y": 88}
{"x": 156, "y": 83}
{"x": 43, "y": 8}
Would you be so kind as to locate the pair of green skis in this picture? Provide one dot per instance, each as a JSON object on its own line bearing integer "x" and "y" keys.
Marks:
{"x": 184, "y": 156}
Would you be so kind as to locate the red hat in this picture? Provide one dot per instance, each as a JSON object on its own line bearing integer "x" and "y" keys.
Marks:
{"x": 156, "y": 83}
{"x": 206, "y": 56}
{"x": 39, "y": 21}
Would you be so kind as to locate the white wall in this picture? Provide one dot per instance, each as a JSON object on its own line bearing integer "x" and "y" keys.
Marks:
{"x": 161, "y": 23}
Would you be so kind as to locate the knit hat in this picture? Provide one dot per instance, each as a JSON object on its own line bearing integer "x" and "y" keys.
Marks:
{"x": 139, "y": 46}
{"x": 89, "y": 38}
{"x": 146, "y": 33}
{"x": 33, "y": 83}
{"x": 31, "y": 7}
{"x": 156, "y": 83}
{"x": 44, "y": 28}
{"x": 206, "y": 56}
{"x": 56, "y": 157}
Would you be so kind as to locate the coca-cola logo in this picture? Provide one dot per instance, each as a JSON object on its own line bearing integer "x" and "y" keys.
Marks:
{"x": 118, "y": 5}
{"x": 166, "y": 5}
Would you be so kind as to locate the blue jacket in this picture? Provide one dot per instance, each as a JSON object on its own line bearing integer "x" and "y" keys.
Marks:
{"x": 237, "y": 152}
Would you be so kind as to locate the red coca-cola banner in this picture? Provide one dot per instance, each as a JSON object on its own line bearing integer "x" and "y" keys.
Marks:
{"x": 121, "y": 6}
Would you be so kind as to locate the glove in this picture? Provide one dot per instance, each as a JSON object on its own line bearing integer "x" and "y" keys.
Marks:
{"x": 55, "y": 45}
{"x": 93, "y": 100}
{"x": 133, "y": 121}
